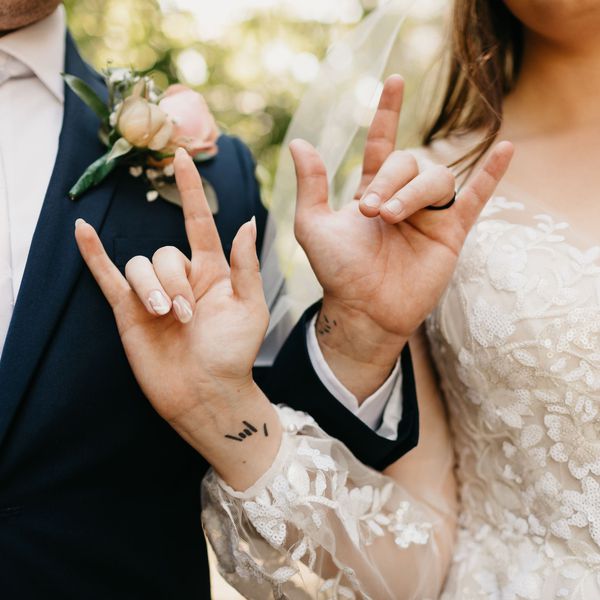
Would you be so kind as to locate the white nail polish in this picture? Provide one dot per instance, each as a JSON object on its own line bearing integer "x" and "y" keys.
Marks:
{"x": 394, "y": 206}
{"x": 372, "y": 201}
{"x": 159, "y": 303}
{"x": 183, "y": 310}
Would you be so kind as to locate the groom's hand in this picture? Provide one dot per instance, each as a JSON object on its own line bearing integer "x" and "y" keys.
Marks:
{"x": 383, "y": 275}
{"x": 192, "y": 329}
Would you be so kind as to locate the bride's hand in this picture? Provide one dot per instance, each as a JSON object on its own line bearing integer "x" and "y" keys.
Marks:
{"x": 384, "y": 274}
{"x": 192, "y": 328}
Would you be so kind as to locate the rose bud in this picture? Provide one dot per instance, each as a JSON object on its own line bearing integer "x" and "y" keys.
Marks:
{"x": 144, "y": 124}
{"x": 194, "y": 127}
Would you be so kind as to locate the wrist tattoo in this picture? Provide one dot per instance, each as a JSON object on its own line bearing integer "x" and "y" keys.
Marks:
{"x": 248, "y": 430}
{"x": 325, "y": 324}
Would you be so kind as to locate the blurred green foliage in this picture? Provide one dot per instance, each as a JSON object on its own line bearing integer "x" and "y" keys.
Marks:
{"x": 252, "y": 74}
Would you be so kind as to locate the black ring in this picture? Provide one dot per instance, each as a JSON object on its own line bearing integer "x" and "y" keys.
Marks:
{"x": 445, "y": 206}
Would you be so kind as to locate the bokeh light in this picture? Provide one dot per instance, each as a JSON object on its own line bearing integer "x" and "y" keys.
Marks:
{"x": 250, "y": 58}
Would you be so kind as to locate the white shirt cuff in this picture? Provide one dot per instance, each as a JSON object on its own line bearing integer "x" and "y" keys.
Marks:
{"x": 381, "y": 411}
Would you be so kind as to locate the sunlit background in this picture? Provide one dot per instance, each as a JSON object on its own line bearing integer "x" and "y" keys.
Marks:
{"x": 251, "y": 59}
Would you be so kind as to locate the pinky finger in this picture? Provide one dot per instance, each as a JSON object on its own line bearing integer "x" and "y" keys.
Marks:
{"x": 479, "y": 189}
{"x": 245, "y": 269}
{"x": 106, "y": 274}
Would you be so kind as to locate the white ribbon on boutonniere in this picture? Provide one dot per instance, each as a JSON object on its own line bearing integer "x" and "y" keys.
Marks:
{"x": 142, "y": 128}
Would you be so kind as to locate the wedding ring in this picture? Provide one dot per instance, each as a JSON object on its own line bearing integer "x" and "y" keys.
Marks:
{"x": 445, "y": 206}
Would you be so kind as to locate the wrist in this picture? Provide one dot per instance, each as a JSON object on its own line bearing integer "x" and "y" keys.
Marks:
{"x": 349, "y": 332}
{"x": 236, "y": 429}
{"x": 359, "y": 352}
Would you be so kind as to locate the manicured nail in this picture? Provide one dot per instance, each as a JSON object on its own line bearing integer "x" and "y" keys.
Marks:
{"x": 180, "y": 152}
{"x": 253, "y": 225}
{"x": 394, "y": 206}
{"x": 372, "y": 201}
{"x": 79, "y": 221}
{"x": 183, "y": 309}
{"x": 159, "y": 303}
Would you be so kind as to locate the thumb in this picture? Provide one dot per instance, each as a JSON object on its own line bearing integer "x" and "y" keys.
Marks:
{"x": 245, "y": 268}
{"x": 311, "y": 175}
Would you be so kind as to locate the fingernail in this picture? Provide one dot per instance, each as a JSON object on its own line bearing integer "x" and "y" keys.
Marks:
{"x": 159, "y": 303}
{"x": 183, "y": 309}
{"x": 253, "y": 224}
{"x": 372, "y": 201}
{"x": 180, "y": 152}
{"x": 394, "y": 206}
{"x": 79, "y": 222}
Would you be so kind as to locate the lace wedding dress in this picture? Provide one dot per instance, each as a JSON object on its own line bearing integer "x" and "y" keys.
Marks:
{"x": 516, "y": 340}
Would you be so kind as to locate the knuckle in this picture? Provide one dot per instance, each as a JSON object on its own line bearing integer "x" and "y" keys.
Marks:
{"x": 409, "y": 161}
{"x": 174, "y": 282}
{"x": 134, "y": 264}
{"x": 447, "y": 177}
{"x": 165, "y": 252}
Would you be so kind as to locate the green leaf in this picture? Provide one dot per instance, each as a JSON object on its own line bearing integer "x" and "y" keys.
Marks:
{"x": 87, "y": 94}
{"x": 92, "y": 176}
{"x": 120, "y": 147}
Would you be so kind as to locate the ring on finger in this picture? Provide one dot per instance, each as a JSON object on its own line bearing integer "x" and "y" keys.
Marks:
{"x": 444, "y": 206}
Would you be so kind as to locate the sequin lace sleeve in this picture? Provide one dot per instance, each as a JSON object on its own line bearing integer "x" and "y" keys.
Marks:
{"x": 320, "y": 524}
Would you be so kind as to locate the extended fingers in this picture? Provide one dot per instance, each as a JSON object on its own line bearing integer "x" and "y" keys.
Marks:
{"x": 477, "y": 192}
{"x": 163, "y": 283}
{"x": 381, "y": 138}
{"x": 398, "y": 169}
{"x": 245, "y": 269}
{"x": 113, "y": 285}
{"x": 435, "y": 186}
{"x": 199, "y": 222}
{"x": 311, "y": 176}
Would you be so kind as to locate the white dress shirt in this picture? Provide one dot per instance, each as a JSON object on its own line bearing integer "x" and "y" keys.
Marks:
{"x": 31, "y": 112}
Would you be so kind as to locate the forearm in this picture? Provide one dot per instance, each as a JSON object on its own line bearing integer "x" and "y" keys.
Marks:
{"x": 320, "y": 506}
{"x": 359, "y": 353}
{"x": 238, "y": 433}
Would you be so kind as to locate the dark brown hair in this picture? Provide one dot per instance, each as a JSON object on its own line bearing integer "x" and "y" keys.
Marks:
{"x": 486, "y": 49}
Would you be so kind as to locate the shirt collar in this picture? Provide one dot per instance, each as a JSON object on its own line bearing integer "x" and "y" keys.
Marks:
{"x": 41, "y": 47}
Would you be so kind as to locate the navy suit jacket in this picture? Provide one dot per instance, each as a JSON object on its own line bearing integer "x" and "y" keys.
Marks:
{"x": 99, "y": 498}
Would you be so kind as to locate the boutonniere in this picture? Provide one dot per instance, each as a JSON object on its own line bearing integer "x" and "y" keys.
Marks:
{"x": 141, "y": 129}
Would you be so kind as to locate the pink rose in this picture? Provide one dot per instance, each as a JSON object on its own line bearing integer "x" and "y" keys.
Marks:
{"x": 194, "y": 127}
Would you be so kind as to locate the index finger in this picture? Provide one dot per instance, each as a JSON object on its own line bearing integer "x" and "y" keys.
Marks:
{"x": 381, "y": 138}
{"x": 199, "y": 222}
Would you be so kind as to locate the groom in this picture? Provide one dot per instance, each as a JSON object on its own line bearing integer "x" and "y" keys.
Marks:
{"x": 99, "y": 498}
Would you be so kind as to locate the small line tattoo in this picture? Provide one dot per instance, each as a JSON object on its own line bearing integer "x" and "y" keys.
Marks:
{"x": 325, "y": 324}
{"x": 248, "y": 431}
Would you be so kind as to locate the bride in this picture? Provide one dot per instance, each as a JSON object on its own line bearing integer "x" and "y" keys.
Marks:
{"x": 514, "y": 337}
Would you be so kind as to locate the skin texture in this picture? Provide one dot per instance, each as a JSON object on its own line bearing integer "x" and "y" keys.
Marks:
{"x": 207, "y": 395}
{"x": 15, "y": 14}
{"x": 553, "y": 115}
{"x": 382, "y": 275}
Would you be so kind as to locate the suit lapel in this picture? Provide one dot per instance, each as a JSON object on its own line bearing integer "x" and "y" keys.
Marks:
{"x": 54, "y": 264}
